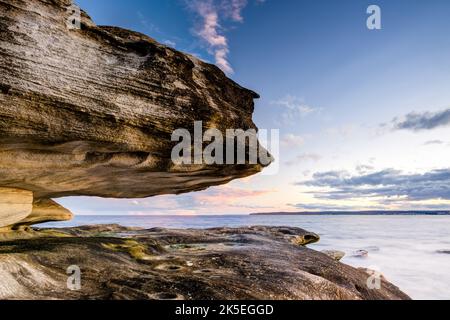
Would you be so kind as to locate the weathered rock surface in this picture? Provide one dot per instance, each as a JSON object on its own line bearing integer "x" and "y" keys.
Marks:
{"x": 45, "y": 210}
{"x": 221, "y": 263}
{"x": 15, "y": 205}
{"x": 335, "y": 254}
{"x": 18, "y": 210}
{"x": 91, "y": 111}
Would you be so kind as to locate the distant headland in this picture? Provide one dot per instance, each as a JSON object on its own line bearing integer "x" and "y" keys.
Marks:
{"x": 357, "y": 213}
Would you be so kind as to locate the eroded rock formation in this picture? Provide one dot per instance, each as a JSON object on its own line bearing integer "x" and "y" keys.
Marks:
{"x": 15, "y": 205}
{"x": 91, "y": 111}
{"x": 44, "y": 210}
{"x": 18, "y": 210}
{"x": 221, "y": 263}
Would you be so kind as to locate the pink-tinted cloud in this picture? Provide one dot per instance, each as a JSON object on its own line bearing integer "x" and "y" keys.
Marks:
{"x": 234, "y": 9}
{"x": 225, "y": 195}
{"x": 210, "y": 30}
{"x": 210, "y": 27}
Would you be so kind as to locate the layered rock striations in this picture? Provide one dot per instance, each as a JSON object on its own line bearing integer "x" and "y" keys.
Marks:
{"x": 90, "y": 111}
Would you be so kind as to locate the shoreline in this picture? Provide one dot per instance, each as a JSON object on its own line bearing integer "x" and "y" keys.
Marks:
{"x": 358, "y": 213}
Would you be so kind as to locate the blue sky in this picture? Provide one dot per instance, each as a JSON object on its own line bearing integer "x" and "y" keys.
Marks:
{"x": 362, "y": 113}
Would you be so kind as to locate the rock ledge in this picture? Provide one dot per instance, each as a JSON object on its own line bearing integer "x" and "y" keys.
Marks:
{"x": 221, "y": 263}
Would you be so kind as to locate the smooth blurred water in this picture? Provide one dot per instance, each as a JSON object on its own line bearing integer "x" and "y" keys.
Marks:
{"x": 404, "y": 248}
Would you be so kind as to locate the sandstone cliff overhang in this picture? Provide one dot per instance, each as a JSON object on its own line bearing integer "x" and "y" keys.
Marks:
{"x": 90, "y": 110}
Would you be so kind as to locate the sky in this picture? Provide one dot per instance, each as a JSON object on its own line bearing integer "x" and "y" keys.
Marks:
{"x": 364, "y": 115}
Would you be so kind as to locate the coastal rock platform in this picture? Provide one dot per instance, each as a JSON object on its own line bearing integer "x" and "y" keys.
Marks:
{"x": 221, "y": 263}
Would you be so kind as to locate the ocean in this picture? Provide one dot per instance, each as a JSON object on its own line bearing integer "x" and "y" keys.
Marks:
{"x": 413, "y": 252}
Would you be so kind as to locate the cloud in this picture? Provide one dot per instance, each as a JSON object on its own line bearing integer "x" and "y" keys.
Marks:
{"x": 211, "y": 13}
{"x": 304, "y": 157}
{"x": 170, "y": 43}
{"x": 215, "y": 200}
{"x": 431, "y": 185}
{"x": 364, "y": 168}
{"x": 226, "y": 195}
{"x": 106, "y": 206}
{"x": 342, "y": 131}
{"x": 292, "y": 140}
{"x": 227, "y": 199}
{"x": 294, "y": 109}
{"x": 433, "y": 142}
{"x": 249, "y": 206}
{"x": 233, "y": 9}
{"x": 383, "y": 205}
{"x": 423, "y": 121}
{"x": 322, "y": 207}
